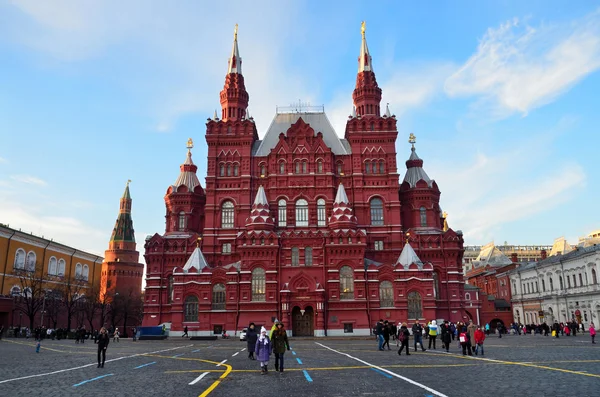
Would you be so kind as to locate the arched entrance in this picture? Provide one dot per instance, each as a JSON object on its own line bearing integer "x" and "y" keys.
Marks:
{"x": 302, "y": 321}
{"x": 495, "y": 322}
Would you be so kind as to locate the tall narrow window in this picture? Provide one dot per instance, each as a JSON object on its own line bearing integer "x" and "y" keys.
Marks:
{"x": 20, "y": 259}
{"x": 304, "y": 167}
{"x": 181, "y": 221}
{"x": 236, "y": 170}
{"x": 340, "y": 169}
{"x": 218, "y": 297}
{"x": 321, "y": 212}
{"x": 228, "y": 169}
{"x": 580, "y": 280}
{"x": 295, "y": 256}
{"x": 190, "y": 308}
{"x": 263, "y": 170}
{"x": 423, "y": 213}
{"x": 301, "y": 213}
{"x": 227, "y": 215}
{"x": 543, "y": 286}
{"x": 560, "y": 281}
{"x": 170, "y": 289}
{"x": 308, "y": 257}
{"x": 319, "y": 167}
{"x": 258, "y": 285}
{"x": 86, "y": 272}
{"x": 52, "y": 266}
{"x": 282, "y": 213}
{"x": 414, "y": 306}
{"x": 376, "y": 212}
{"x": 31, "y": 261}
{"x": 61, "y": 267}
{"x": 297, "y": 167}
{"x": 381, "y": 167}
{"x": 222, "y": 170}
{"x": 594, "y": 279}
{"x": 436, "y": 285}
{"x": 282, "y": 167}
{"x": 346, "y": 283}
{"x": 78, "y": 270}
{"x": 367, "y": 167}
{"x": 386, "y": 294}
{"x": 374, "y": 167}
{"x": 551, "y": 283}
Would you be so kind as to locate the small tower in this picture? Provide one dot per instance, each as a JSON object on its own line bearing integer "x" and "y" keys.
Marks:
{"x": 367, "y": 94}
{"x": 342, "y": 216}
{"x": 234, "y": 97}
{"x": 260, "y": 218}
{"x": 121, "y": 270}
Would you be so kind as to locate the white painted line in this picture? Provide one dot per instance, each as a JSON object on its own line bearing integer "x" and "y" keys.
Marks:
{"x": 243, "y": 349}
{"x": 422, "y": 386}
{"x": 235, "y": 354}
{"x": 89, "y": 365}
{"x": 221, "y": 363}
{"x": 198, "y": 379}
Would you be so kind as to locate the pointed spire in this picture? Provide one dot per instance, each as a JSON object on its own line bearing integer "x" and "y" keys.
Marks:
{"x": 126, "y": 194}
{"x": 364, "y": 60}
{"x": 260, "y": 216}
{"x": 414, "y": 166}
{"x": 353, "y": 112}
{"x": 387, "y": 110}
{"x": 123, "y": 230}
{"x": 342, "y": 216}
{"x": 187, "y": 176}
{"x": 196, "y": 262}
{"x": 215, "y": 117}
{"x": 235, "y": 61}
{"x": 408, "y": 256}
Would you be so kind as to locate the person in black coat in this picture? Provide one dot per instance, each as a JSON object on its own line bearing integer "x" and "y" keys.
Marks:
{"x": 251, "y": 337}
{"x": 103, "y": 340}
{"x": 403, "y": 335}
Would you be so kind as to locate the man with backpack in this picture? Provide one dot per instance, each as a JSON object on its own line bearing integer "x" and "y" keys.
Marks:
{"x": 403, "y": 336}
{"x": 465, "y": 341}
{"x": 417, "y": 331}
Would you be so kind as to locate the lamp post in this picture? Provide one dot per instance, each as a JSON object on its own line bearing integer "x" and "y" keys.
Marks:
{"x": 43, "y": 310}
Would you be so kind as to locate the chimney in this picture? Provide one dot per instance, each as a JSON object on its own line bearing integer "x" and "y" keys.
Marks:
{"x": 514, "y": 258}
{"x": 544, "y": 254}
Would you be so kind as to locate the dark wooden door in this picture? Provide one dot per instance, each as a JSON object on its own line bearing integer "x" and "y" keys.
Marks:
{"x": 302, "y": 324}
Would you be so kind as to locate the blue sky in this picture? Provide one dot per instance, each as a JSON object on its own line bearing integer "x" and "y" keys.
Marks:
{"x": 502, "y": 96}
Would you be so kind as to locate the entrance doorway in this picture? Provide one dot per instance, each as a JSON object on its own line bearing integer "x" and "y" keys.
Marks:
{"x": 302, "y": 323}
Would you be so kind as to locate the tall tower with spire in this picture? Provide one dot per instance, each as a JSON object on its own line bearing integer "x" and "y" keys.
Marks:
{"x": 234, "y": 97}
{"x": 121, "y": 270}
{"x": 367, "y": 94}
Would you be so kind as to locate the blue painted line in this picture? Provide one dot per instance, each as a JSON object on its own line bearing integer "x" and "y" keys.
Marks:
{"x": 299, "y": 362}
{"x": 178, "y": 355}
{"x": 90, "y": 380}
{"x": 307, "y": 376}
{"x": 145, "y": 365}
{"x": 194, "y": 351}
{"x": 293, "y": 352}
{"x": 382, "y": 373}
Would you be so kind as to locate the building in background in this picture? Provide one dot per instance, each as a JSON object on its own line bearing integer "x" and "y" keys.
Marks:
{"x": 520, "y": 253}
{"x": 303, "y": 226}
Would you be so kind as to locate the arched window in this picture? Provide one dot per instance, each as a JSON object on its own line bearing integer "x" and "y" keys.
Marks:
{"x": 308, "y": 257}
{"x": 52, "y": 266}
{"x": 367, "y": 167}
{"x": 414, "y": 306}
{"x": 20, "y": 259}
{"x": 190, "y": 308}
{"x": 297, "y": 167}
{"x": 319, "y": 167}
{"x": 301, "y": 213}
{"x": 346, "y": 283}
{"x": 574, "y": 281}
{"x": 258, "y": 285}
{"x": 423, "y": 213}
{"x": 15, "y": 291}
{"x": 321, "y": 212}
{"x": 86, "y": 272}
{"x": 560, "y": 281}
{"x": 228, "y": 169}
{"x": 282, "y": 213}
{"x": 181, "y": 221}
{"x": 304, "y": 167}
{"x": 263, "y": 170}
{"x": 580, "y": 280}
{"x": 221, "y": 170}
{"x": 376, "y": 212}
{"x": 543, "y": 286}
{"x": 31, "y": 261}
{"x": 78, "y": 270}
{"x": 374, "y": 167}
{"x": 386, "y": 294}
{"x": 282, "y": 167}
{"x": 227, "y": 215}
{"x": 218, "y": 297}
{"x": 381, "y": 167}
{"x": 568, "y": 281}
{"x": 594, "y": 279}
{"x": 551, "y": 283}
{"x": 61, "y": 267}
{"x": 236, "y": 170}
{"x": 295, "y": 256}
{"x": 340, "y": 168}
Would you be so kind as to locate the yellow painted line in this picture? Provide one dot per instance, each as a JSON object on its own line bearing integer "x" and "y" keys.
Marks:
{"x": 33, "y": 345}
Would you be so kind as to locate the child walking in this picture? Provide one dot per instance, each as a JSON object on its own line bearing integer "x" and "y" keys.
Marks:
{"x": 263, "y": 350}
{"x": 592, "y": 330}
{"x": 479, "y": 339}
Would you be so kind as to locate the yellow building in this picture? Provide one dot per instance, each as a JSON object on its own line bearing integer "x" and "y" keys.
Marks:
{"x": 24, "y": 251}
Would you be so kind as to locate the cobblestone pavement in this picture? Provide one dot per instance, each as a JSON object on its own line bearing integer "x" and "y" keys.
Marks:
{"x": 514, "y": 365}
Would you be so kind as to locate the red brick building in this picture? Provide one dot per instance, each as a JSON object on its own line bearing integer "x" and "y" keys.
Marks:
{"x": 302, "y": 226}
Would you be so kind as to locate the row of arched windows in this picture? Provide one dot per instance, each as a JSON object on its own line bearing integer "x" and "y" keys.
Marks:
{"x": 56, "y": 267}
{"x": 229, "y": 169}
{"x": 24, "y": 261}
{"x": 571, "y": 280}
{"x": 374, "y": 167}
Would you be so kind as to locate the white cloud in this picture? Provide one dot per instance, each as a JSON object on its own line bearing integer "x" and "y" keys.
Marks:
{"x": 3, "y": 160}
{"x": 518, "y": 68}
{"x": 28, "y": 179}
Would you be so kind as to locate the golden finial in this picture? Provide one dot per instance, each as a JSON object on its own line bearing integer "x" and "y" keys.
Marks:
{"x": 363, "y": 27}
{"x": 235, "y": 30}
{"x": 445, "y": 218}
{"x": 412, "y": 139}
{"x": 190, "y": 143}
{"x": 198, "y": 240}
{"x": 407, "y": 237}
{"x": 128, "y": 182}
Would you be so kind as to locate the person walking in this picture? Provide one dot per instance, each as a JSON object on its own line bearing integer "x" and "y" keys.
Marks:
{"x": 403, "y": 336}
{"x": 134, "y": 332}
{"x": 417, "y": 331}
{"x": 487, "y": 329}
{"x": 251, "y": 337}
{"x": 116, "y": 335}
{"x": 263, "y": 349}
{"x": 471, "y": 328}
{"x": 185, "y": 332}
{"x": 103, "y": 340}
{"x": 273, "y": 328}
{"x": 433, "y": 331}
{"x": 280, "y": 345}
{"x": 479, "y": 339}
{"x": 592, "y": 331}
{"x": 465, "y": 341}
{"x": 386, "y": 335}
{"x": 446, "y": 336}
{"x": 379, "y": 334}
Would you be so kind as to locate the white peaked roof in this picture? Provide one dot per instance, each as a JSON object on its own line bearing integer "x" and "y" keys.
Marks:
{"x": 491, "y": 255}
{"x": 408, "y": 256}
{"x": 235, "y": 61}
{"x": 364, "y": 61}
{"x": 415, "y": 172}
{"x": 196, "y": 261}
{"x": 341, "y": 196}
{"x": 261, "y": 197}
{"x": 187, "y": 177}
{"x": 387, "y": 110}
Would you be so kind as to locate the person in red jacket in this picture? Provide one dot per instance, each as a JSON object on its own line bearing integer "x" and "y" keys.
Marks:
{"x": 479, "y": 338}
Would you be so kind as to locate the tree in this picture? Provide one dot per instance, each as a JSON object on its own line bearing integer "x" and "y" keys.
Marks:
{"x": 31, "y": 301}
{"x": 71, "y": 290}
{"x": 53, "y": 306}
{"x": 96, "y": 307}
{"x": 129, "y": 305}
